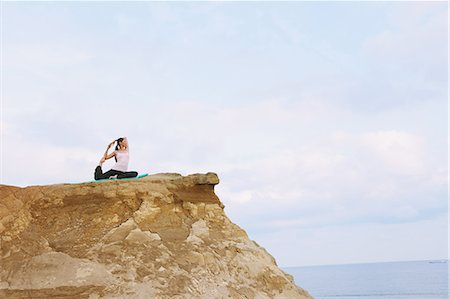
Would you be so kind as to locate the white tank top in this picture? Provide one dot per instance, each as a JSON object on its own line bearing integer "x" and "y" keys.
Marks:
{"x": 122, "y": 161}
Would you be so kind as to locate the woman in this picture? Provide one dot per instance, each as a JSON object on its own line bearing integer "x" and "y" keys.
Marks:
{"x": 119, "y": 170}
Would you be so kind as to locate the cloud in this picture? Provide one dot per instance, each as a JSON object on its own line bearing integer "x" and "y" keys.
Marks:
{"x": 400, "y": 152}
{"x": 45, "y": 55}
{"x": 379, "y": 176}
{"x": 413, "y": 39}
{"x": 372, "y": 242}
{"x": 30, "y": 162}
{"x": 414, "y": 43}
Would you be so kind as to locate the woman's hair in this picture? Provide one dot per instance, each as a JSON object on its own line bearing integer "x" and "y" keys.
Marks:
{"x": 117, "y": 146}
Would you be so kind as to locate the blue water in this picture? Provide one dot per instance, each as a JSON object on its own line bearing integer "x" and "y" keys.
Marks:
{"x": 392, "y": 280}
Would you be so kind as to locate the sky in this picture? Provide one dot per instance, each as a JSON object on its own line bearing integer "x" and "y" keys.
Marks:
{"x": 326, "y": 122}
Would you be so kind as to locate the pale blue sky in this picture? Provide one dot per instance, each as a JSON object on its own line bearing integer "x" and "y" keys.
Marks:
{"x": 325, "y": 121}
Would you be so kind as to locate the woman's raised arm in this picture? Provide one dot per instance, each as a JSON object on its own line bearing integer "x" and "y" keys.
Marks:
{"x": 105, "y": 156}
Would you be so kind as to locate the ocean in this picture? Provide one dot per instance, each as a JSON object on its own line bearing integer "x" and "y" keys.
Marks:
{"x": 390, "y": 280}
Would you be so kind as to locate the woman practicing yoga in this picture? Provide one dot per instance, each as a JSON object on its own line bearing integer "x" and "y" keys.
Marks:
{"x": 119, "y": 170}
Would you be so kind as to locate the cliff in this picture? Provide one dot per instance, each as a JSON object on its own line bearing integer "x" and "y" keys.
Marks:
{"x": 162, "y": 236}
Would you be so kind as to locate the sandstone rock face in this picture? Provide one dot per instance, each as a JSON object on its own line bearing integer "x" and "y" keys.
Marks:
{"x": 162, "y": 236}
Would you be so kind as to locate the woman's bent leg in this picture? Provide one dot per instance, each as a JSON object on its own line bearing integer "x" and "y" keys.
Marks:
{"x": 128, "y": 174}
{"x": 99, "y": 175}
{"x": 111, "y": 172}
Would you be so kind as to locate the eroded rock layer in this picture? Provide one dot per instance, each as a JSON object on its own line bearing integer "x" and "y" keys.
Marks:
{"x": 162, "y": 236}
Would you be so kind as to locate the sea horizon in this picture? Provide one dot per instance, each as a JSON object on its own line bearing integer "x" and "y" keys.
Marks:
{"x": 361, "y": 263}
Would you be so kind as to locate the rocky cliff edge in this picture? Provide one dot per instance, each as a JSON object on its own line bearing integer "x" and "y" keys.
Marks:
{"x": 162, "y": 236}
